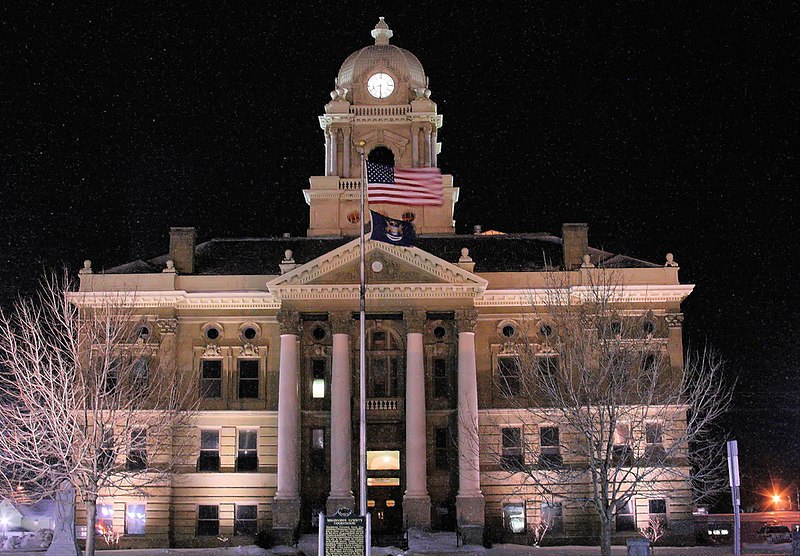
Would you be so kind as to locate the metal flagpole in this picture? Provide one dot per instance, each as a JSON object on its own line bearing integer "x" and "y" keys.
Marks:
{"x": 362, "y": 375}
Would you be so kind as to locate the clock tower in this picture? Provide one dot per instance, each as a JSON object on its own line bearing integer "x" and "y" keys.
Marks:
{"x": 381, "y": 97}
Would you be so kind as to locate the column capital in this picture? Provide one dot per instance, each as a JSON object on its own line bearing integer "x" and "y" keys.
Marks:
{"x": 289, "y": 322}
{"x": 414, "y": 321}
{"x": 466, "y": 319}
{"x": 167, "y": 326}
{"x": 341, "y": 322}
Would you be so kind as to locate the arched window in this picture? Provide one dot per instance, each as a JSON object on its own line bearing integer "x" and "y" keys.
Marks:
{"x": 381, "y": 155}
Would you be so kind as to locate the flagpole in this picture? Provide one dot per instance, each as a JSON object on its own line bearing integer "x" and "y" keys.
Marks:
{"x": 362, "y": 374}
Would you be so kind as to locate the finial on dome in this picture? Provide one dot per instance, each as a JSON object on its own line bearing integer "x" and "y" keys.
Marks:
{"x": 382, "y": 33}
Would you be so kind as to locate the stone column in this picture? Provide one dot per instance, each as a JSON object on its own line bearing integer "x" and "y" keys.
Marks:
{"x": 469, "y": 501}
{"x": 434, "y": 157}
{"x": 346, "y": 158}
{"x": 427, "y": 134}
{"x": 327, "y": 152}
{"x": 414, "y": 146}
{"x": 416, "y": 502}
{"x": 341, "y": 495}
{"x": 334, "y": 148}
{"x": 286, "y": 506}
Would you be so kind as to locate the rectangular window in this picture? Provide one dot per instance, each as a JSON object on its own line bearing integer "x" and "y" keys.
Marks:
{"x": 658, "y": 509}
{"x": 514, "y": 517}
{"x": 511, "y": 458}
{"x": 211, "y": 378}
{"x": 104, "y": 522}
{"x": 317, "y": 450}
{"x": 112, "y": 378}
{"x": 510, "y": 376}
{"x": 135, "y": 519}
{"x": 209, "y": 451}
{"x": 553, "y": 515}
{"x": 654, "y": 439}
{"x": 440, "y": 386}
{"x": 106, "y": 454}
{"x": 247, "y": 455}
{"x": 248, "y": 378}
{"x": 441, "y": 448}
{"x": 626, "y": 516}
{"x": 550, "y": 447}
{"x": 141, "y": 374}
{"x": 318, "y": 368}
{"x": 622, "y": 452}
{"x": 137, "y": 455}
{"x": 207, "y": 521}
{"x": 548, "y": 366}
{"x": 246, "y": 520}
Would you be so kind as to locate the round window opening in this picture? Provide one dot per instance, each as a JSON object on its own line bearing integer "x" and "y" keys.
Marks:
{"x": 439, "y": 332}
{"x": 318, "y": 333}
{"x": 616, "y": 327}
{"x": 354, "y": 217}
{"x": 144, "y": 332}
{"x": 509, "y": 331}
{"x": 212, "y": 333}
{"x": 546, "y": 330}
{"x": 649, "y": 327}
{"x": 249, "y": 333}
{"x": 409, "y": 216}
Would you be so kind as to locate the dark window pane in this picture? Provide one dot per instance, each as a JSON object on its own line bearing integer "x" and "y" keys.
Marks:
{"x": 548, "y": 366}
{"x": 208, "y": 520}
{"x": 626, "y": 518}
{"x": 211, "y": 378}
{"x": 442, "y": 459}
{"x": 654, "y": 433}
{"x": 658, "y": 506}
{"x": 318, "y": 368}
{"x": 208, "y": 461}
{"x": 246, "y": 520}
{"x": 510, "y": 375}
{"x": 247, "y": 456}
{"x": 549, "y": 436}
{"x": 248, "y": 378}
{"x": 440, "y": 386}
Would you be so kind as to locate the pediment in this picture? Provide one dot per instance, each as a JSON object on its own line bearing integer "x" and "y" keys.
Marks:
{"x": 399, "y": 268}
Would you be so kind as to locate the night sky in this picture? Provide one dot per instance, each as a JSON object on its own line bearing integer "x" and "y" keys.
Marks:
{"x": 667, "y": 128}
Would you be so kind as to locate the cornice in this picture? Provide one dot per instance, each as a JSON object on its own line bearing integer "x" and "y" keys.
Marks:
{"x": 178, "y": 299}
{"x": 538, "y": 297}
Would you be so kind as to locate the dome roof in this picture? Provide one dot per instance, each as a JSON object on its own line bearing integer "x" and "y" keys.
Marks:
{"x": 405, "y": 65}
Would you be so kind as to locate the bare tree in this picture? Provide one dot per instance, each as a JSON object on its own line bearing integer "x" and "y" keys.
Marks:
{"x": 88, "y": 398}
{"x": 616, "y": 417}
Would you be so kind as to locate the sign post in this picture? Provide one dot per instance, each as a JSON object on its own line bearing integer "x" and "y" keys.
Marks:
{"x": 733, "y": 475}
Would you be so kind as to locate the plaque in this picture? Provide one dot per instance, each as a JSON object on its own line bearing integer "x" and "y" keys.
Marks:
{"x": 344, "y": 534}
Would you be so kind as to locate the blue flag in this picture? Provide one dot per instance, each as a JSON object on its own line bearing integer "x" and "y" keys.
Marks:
{"x": 389, "y": 230}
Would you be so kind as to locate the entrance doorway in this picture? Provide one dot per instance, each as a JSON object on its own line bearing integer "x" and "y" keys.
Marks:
{"x": 384, "y": 493}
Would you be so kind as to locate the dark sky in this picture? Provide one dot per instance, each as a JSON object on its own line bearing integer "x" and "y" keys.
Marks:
{"x": 665, "y": 127}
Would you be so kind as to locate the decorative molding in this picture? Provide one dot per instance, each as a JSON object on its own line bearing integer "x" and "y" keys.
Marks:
{"x": 177, "y": 299}
{"x": 466, "y": 319}
{"x": 414, "y": 321}
{"x": 248, "y": 350}
{"x": 539, "y": 297}
{"x": 674, "y": 320}
{"x": 167, "y": 326}
{"x": 289, "y": 322}
{"x": 341, "y": 322}
{"x": 212, "y": 350}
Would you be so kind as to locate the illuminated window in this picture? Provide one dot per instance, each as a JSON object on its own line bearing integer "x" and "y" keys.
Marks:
{"x": 104, "y": 520}
{"x": 135, "y": 519}
{"x": 378, "y": 460}
{"x": 383, "y": 481}
{"x": 248, "y": 378}
{"x": 211, "y": 378}
{"x": 207, "y": 521}
{"x": 247, "y": 455}
{"x": 318, "y": 381}
{"x": 514, "y": 517}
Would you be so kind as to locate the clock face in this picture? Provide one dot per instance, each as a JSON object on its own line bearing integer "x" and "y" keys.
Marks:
{"x": 380, "y": 85}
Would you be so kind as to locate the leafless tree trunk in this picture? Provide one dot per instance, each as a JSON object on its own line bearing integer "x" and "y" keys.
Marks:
{"x": 88, "y": 397}
{"x": 626, "y": 419}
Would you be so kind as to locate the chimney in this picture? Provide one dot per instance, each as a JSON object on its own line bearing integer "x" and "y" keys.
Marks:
{"x": 181, "y": 249}
{"x": 575, "y": 239}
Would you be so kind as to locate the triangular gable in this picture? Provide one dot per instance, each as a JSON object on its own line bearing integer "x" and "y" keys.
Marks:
{"x": 402, "y": 267}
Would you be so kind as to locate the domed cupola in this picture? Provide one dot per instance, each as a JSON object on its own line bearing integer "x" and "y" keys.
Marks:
{"x": 396, "y": 74}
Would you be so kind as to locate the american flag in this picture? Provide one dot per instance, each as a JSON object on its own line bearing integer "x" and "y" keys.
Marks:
{"x": 404, "y": 186}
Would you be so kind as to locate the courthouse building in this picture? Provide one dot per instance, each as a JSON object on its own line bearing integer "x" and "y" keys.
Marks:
{"x": 270, "y": 328}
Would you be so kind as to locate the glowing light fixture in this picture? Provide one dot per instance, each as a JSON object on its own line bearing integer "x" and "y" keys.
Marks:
{"x": 318, "y": 388}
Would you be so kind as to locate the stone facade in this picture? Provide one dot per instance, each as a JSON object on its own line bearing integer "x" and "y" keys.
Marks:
{"x": 268, "y": 328}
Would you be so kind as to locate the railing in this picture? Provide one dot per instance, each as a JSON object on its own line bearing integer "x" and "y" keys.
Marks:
{"x": 350, "y": 183}
{"x": 382, "y": 404}
{"x": 396, "y": 110}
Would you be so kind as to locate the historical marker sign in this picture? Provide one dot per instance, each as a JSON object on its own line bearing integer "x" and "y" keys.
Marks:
{"x": 345, "y": 535}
